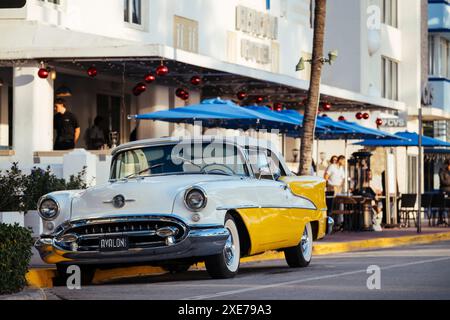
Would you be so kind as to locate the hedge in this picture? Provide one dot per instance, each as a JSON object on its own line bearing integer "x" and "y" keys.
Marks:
{"x": 15, "y": 255}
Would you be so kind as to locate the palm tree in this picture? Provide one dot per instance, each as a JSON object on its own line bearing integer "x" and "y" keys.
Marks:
{"x": 312, "y": 106}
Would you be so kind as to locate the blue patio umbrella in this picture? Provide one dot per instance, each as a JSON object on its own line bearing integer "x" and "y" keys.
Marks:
{"x": 218, "y": 113}
{"x": 408, "y": 139}
{"x": 288, "y": 122}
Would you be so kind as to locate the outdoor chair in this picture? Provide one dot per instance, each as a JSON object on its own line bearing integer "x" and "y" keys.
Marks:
{"x": 407, "y": 207}
{"x": 426, "y": 205}
{"x": 438, "y": 208}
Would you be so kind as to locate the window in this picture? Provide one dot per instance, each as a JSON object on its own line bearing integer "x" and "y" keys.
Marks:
{"x": 132, "y": 11}
{"x": 266, "y": 164}
{"x": 390, "y": 12}
{"x": 431, "y": 56}
{"x": 185, "y": 34}
{"x": 444, "y": 53}
{"x": 389, "y": 79}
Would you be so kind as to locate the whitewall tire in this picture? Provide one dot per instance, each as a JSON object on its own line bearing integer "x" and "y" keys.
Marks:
{"x": 300, "y": 256}
{"x": 226, "y": 264}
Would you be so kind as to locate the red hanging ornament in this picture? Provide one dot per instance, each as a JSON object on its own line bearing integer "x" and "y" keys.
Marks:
{"x": 180, "y": 92}
{"x": 341, "y": 118}
{"x": 92, "y": 72}
{"x": 185, "y": 96}
{"x": 366, "y": 116}
{"x": 379, "y": 122}
{"x": 149, "y": 78}
{"x": 196, "y": 80}
{"x": 259, "y": 99}
{"x": 359, "y": 116}
{"x": 162, "y": 70}
{"x": 241, "y": 95}
{"x": 326, "y": 107}
{"x": 278, "y": 107}
{"x": 43, "y": 73}
{"x": 139, "y": 88}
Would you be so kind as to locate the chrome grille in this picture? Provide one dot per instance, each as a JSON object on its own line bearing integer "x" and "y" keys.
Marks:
{"x": 141, "y": 231}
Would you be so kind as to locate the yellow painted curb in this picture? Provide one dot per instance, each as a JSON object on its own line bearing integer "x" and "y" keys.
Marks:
{"x": 336, "y": 247}
{"x": 40, "y": 278}
{"x": 43, "y": 278}
{"x": 122, "y": 273}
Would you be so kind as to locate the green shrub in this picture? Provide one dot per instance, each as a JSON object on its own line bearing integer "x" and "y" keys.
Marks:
{"x": 11, "y": 189}
{"x": 15, "y": 255}
{"x": 21, "y": 192}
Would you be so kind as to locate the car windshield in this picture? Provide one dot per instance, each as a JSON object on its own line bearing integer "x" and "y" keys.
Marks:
{"x": 183, "y": 158}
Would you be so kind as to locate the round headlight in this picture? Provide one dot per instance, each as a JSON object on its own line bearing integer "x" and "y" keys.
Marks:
{"x": 195, "y": 199}
{"x": 48, "y": 209}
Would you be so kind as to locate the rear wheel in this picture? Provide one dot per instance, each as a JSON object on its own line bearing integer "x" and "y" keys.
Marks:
{"x": 300, "y": 255}
{"x": 226, "y": 264}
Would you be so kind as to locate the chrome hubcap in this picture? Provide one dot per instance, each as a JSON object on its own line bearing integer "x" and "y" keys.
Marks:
{"x": 229, "y": 251}
{"x": 305, "y": 243}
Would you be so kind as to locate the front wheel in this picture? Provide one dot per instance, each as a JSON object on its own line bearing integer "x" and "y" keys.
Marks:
{"x": 300, "y": 255}
{"x": 226, "y": 264}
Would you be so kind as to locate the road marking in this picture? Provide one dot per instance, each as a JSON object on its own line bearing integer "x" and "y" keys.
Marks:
{"x": 287, "y": 283}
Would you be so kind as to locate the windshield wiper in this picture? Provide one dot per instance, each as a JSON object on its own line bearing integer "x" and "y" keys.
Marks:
{"x": 144, "y": 170}
{"x": 188, "y": 160}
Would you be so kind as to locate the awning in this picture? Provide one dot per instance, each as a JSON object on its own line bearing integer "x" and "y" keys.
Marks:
{"x": 410, "y": 139}
{"x": 224, "y": 114}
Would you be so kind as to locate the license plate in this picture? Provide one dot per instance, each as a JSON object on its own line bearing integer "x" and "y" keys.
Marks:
{"x": 119, "y": 243}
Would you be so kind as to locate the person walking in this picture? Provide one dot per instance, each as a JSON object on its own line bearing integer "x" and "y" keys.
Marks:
{"x": 66, "y": 125}
{"x": 335, "y": 175}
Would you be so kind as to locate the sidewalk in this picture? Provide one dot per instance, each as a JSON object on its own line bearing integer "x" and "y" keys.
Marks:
{"x": 41, "y": 275}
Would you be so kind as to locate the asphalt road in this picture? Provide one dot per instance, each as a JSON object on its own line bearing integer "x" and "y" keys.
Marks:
{"x": 415, "y": 272}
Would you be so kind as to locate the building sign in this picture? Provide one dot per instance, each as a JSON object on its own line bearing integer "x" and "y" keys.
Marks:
{"x": 399, "y": 122}
{"x": 257, "y": 24}
{"x": 259, "y": 32}
{"x": 257, "y": 52}
{"x": 12, "y": 4}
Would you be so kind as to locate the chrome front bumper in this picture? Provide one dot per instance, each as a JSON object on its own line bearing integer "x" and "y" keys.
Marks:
{"x": 330, "y": 225}
{"x": 198, "y": 243}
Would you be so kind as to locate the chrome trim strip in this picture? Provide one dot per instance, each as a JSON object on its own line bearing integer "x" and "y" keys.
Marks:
{"x": 265, "y": 207}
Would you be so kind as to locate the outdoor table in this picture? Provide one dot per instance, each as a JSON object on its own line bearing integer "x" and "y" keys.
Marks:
{"x": 352, "y": 208}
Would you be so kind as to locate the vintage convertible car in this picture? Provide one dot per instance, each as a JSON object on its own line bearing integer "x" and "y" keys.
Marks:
{"x": 175, "y": 202}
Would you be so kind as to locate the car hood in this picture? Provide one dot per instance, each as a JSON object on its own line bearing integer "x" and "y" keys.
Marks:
{"x": 151, "y": 195}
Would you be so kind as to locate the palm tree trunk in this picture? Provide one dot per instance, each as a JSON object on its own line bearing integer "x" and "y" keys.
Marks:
{"x": 309, "y": 122}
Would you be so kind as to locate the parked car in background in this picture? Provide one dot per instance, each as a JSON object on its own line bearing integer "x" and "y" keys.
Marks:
{"x": 175, "y": 202}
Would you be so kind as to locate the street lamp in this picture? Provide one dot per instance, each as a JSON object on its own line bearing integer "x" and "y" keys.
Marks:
{"x": 332, "y": 57}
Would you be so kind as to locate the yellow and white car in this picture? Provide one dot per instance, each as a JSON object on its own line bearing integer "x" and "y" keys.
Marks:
{"x": 174, "y": 202}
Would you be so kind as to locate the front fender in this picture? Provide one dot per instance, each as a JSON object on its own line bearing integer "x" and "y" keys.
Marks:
{"x": 64, "y": 200}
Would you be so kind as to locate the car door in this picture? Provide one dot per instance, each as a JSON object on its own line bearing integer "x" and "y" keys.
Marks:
{"x": 271, "y": 222}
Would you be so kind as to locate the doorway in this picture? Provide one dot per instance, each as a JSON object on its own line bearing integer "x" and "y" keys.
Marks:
{"x": 114, "y": 110}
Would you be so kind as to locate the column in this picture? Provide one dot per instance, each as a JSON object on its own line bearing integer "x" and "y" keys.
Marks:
{"x": 32, "y": 113}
